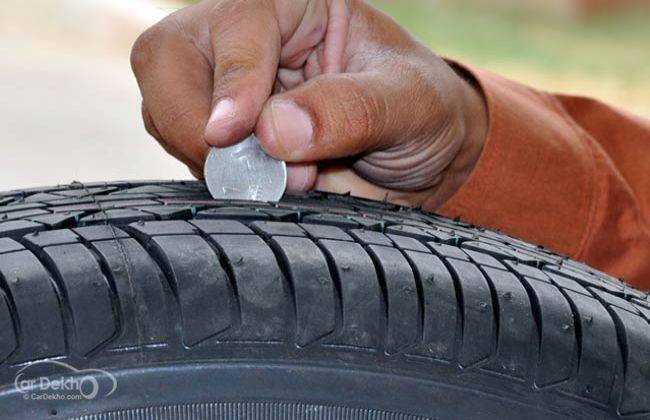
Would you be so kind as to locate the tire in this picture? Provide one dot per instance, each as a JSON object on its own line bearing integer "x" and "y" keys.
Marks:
{"x": 318, "y": 307}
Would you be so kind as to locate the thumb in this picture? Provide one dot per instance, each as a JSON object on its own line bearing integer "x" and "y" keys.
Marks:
{"x": 335, "y": 116}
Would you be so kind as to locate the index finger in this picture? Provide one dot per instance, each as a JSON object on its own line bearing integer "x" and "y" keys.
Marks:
{"x": 175, "y": 81}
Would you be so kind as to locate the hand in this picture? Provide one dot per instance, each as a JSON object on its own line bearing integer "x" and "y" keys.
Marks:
{"x": 334, "y": 87}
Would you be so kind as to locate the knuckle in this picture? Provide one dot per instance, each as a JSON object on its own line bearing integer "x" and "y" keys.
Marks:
{"x": 145, "y": 48}
{"x": 236, "y": 62}
{"x": 174, "y": 118}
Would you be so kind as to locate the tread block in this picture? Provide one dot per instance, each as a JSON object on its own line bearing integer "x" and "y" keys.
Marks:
{"x": 8, "y": 339}
{"x": 83, "y": 191}
{"x": 91, "y": 206}
{"x": 408, "y": 244}
{"x": 612, "y": 300}
{"x": 558, "y": 338}
{"x": 526, "y": 270}
{"x": 237, "y": 213}
{"x": 312, "y": 285}
{"x": 330, "y": 220}
{"x": 167, "y": 228}
{"x": 567, "y": 283}
{"x": 119, "y": 217}
{"x": 636, "y": 336}
{"x": 118, "y": 195}
{"x": 368, "y": 223}
{"x": 9, "y": 245}
{"x": 408, "y": 220}
{"x": 448, "y": 251}
{"x": 37, "y": 307}
{"x": 62, "y": 201}
{"x": 440, "y": 306}
{"x": 585, "y": 279}
{"x": 517, "y": 330}
{"x": 139, "y": 287}
{"x": 360, "y": 294}
{"x": 282, "y": 215}
{"x": 325, "y": 232}
{"x": 483, "y": 259}
{"x": 599, "y": 359}
{"x": 58, "y": 220}
{"x": 123, "y": 204}
{"x": 262, "y": 296}
{"x": 369, "y": 237}
{"x": 645, "y": 311}
{"x": 278, "y": 229}
{"x": 479, "y": 330}
{"x": 43, "y": 196}
{"x": 100, "y": 233}
{"x": 221, "y": 227}
{"x": 440, "y": 234}
{"x": 401, "y": 296}
{"x": 88, "y": 294}
{"x": 168, "y": 212}
{"x": 18, "y": 228}
{"x": 411, "y": 231}
{"x": 500, "y": 251}
{"x": 52, "y": 237}
{"x": 23, "y": 214}
{"x": 21, "y": 207}
{"x": 148, "y": 189}
{"x": 200, "y": 285}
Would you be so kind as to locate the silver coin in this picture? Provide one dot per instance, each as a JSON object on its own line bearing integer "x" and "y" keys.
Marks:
{"x": 245, "y": 172}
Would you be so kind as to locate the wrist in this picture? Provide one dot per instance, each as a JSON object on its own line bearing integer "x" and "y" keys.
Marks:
{"x": 474, "y": 121}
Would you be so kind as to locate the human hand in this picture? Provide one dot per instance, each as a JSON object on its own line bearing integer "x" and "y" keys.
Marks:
{"x": 335, "y": 88}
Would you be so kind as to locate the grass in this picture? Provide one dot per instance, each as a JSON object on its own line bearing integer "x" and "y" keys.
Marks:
{"x": 606, "y": 56}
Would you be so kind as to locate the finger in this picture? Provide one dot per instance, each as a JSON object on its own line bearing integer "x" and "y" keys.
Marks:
{"x": 150, "y": 127}
{"x": 175, "y": 82}
{"x": 149, "y": 124}
{"x": 335, "y": 116}
{"x": 196, "y": 174}
{"x": 337, "y": 30}
{"x": 301, "y": 177}
{"x": 246, "y": 44}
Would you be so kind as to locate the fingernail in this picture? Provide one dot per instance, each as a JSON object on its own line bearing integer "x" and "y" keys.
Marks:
{"x": 222, "y": 113}
{"x": 292, "y": 126}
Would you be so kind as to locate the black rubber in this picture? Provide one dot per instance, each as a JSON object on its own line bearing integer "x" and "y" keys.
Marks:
{"x": 318, "y": 307}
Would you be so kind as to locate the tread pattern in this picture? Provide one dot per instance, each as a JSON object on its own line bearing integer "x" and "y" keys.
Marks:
{"x": 159, "y": 270}
{"x": 250, "y": 411}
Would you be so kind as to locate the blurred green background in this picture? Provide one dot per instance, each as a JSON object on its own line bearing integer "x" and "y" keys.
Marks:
{"x": 595, "y": 48}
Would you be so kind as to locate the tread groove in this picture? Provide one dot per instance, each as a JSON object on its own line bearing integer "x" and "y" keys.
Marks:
{"x": 384, "y": 293}
{"x": 108, "y": 274}
{"x": 496, "y": 310}
{"x": 420, "y": 295}
{"x": 280, "y": 258}
{"x": 227, "y": 267}
{"x": 62, "y": 298}
{"x": 460, "y": 306}
{"x": 5, "y": 293}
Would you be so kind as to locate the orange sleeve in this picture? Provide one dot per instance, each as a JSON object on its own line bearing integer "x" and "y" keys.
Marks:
{"x": 568, "y": 173}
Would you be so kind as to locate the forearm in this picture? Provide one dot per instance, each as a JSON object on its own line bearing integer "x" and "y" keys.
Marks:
{"x": 543, "y": 178}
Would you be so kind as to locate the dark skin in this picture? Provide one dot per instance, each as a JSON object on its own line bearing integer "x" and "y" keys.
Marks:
{"x": 335, "y": 88}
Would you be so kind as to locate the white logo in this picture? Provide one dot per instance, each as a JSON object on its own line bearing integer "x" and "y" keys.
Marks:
{"x": 75, "y": 384}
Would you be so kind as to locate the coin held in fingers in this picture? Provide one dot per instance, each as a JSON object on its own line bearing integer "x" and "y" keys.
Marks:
{"x": 245, "y": 172}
